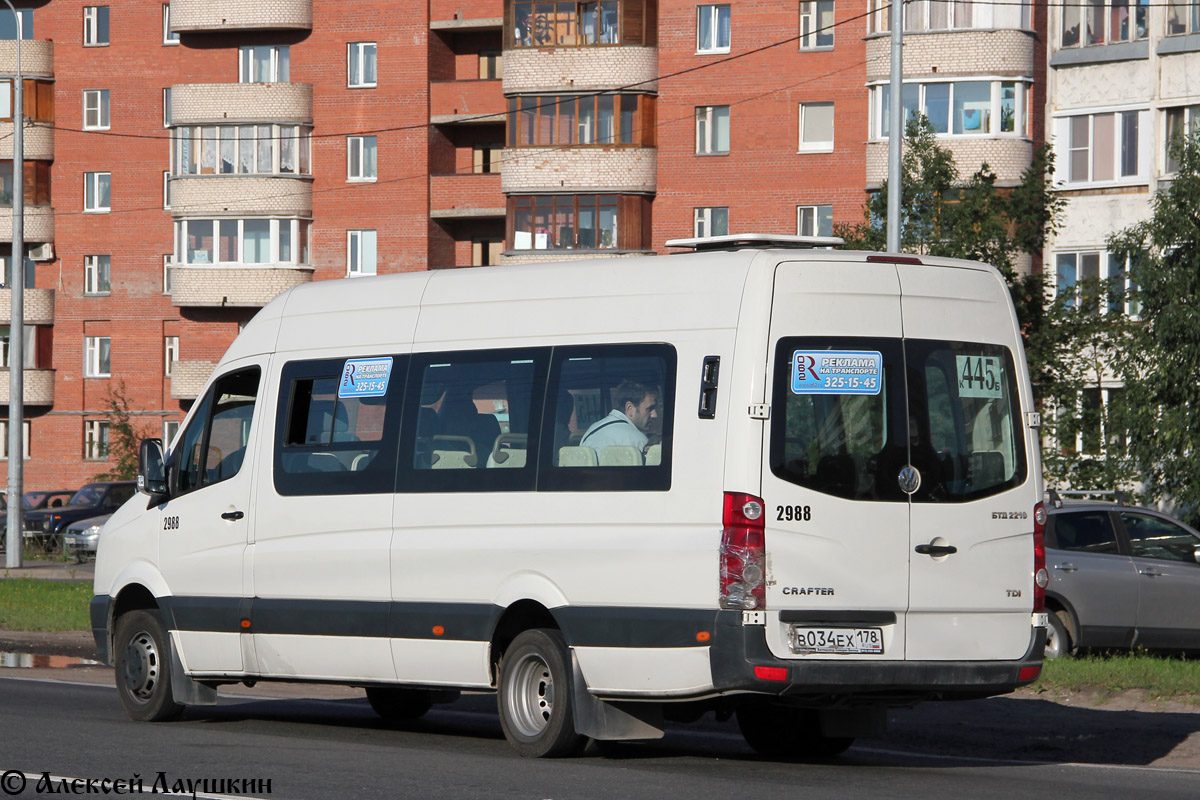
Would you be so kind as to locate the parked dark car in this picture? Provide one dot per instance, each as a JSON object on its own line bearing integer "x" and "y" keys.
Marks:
{"x": 1121, "y": 577}
{"x": 45, "y": 527}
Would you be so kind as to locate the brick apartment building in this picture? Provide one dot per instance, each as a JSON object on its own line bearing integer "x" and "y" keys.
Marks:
{"x": 186, "y": 162}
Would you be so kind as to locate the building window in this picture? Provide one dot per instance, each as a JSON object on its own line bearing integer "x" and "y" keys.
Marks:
{"x": 711, "y": 221}
{"x": 8, "y": 25}
{"x": 242, "y": 241}
{"x": 816, "y": 126}
{"x": 95, "y": 110}
{"x": 1183, "y": 16}
{"x": 95, "y": 439}
{"x": 491, "y": 64}
{"x": 361, "y": 64}
{"x": 486, "y": 252}
{"x": 1096, "y": 282}
{"x": 28, "y": 351}
{"x": 1106, "y": 21}
{"x": 97, "y": 192}
{"x": 579, "y": 222}
{"x": 486, "y": 157}
{"x": 169, "y": 429}
{"x": 167, "y": 107}
{"x": 170, "y": 353}
{"x": 169, "y": 36}
{"x": 1100, "y": 148}
{"x": 242, "y": 150}
{"x": 264, "y": 64}
{"x": 604, "y": 119}
{"x": 361, "y": 158}
{"x": 816, "y": 24}
{"x": 168, "y": 262}
{"x": 95, "y": 26}
{"x": 712, "y": 28}
{"x": 97, "y": 274}
{"x": 26, "y": 435}
{"x": 36, "y": 184}
{"x": 712, "y": 130}
{"x": 542, "y": 24}
{"x": 960, "y": 108}
{"x": 360, "y": 253}
{"x": 96, "y": 356}
{"x": 814, "y": 220}
{"x": 166, "y": 188}
{"x": 1181, "y": 122}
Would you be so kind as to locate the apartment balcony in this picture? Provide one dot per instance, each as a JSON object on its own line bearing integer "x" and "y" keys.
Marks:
{"x": 463, "y": 101}
{"x": 37, "y": 388}
{"x": 465, "y": 197}
{"x": 1007, "y": 157}
{"x": 233, "y": 287}
{"x": 960, "y": 53}
{"x": 241, "y": 195}
{"x": 198, "y": 16}
{"x": 37, "y": 58}
{"x": 39, "y": 224}
{"x": 39, "y": 141}
{"x": 580, "y": 69}
{"x": 189, "y": 377}
{"x": 580, "y": 169}
{"x": 230, "y": 103}
{"x": 38, "y": 306}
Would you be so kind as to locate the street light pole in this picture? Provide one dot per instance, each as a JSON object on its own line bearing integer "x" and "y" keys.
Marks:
{"x": 16, "y": 330}
{"x": 896, "y": 125}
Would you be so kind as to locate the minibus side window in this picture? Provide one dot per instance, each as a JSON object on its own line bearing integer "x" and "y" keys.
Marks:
{"x": 338, "y": 425}
{"x": 214, "y": 445}
{"x": 473, "y": 421}
{"x": 610, "y": 419}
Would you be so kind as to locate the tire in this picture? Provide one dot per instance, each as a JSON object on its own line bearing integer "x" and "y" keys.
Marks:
{"x": 1058, "y": 638}
{"x": 143, "y": 667}
{"x": 778, "y": 731}
{"x": 537, "y": 709}
{"x": 399, "y": 705}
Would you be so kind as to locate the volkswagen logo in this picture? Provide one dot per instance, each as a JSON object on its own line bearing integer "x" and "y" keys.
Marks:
{"x": 909, "y": 479}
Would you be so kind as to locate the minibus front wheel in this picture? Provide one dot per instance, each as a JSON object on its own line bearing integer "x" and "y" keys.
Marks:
{"x": 143, "y": 666}
{"x": 535, "y": 696}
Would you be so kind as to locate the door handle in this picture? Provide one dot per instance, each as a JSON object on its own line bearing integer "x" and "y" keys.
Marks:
{"x": 1151, "y": 572}
{"x": 232, "y": 516}
{"x": 936, "y": 550}
{"x": 1067, "y": 567}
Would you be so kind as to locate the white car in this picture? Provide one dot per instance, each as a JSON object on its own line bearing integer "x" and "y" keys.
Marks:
{"x": 81, "y": 537}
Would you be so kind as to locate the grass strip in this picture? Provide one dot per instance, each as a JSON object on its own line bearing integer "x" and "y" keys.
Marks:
{"x": 1159, "y": 676}
{"x": 32, "y": 604}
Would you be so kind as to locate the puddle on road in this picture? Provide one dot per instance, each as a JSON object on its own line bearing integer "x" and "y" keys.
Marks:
{"x": 36, "y": 660}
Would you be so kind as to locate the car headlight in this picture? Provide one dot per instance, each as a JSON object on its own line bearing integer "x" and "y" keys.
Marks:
{"x": 93, "y": 530}
{"x": 46, "y": 524}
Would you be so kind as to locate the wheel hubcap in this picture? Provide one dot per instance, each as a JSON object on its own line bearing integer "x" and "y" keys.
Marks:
{"x": 531, "y": 701}
{"x": 142, "y": 666}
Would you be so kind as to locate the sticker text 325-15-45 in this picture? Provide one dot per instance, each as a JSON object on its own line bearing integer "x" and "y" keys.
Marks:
{"x": 365, "y": 377}
{"x": 837, "y": 372}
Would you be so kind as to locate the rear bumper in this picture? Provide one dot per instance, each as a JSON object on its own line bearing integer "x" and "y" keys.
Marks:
{"x": 737, "y": 649}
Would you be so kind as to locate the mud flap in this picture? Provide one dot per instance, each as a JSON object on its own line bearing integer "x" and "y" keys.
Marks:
{"x": 184, "y": 690}
{"x": 606, "y": 721}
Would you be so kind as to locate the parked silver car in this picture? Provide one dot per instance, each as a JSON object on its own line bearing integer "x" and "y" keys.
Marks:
{"x": 81, "y": 537}
{"x": 1120, "y": 577}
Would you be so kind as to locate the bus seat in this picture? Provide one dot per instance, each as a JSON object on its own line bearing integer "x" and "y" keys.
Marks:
{"x": 576, "y": 457}
{"x": 509, "y": 450}
{"x": 454, "y": 452}
{"x": 620, "y": 456}
{"x": 654, "y": 455}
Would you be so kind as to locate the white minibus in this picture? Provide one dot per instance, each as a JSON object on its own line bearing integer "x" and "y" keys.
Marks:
{"x": 785, "y": 483}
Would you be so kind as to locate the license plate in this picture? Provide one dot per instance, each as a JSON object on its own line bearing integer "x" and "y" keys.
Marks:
{"x": 836, "y": 640}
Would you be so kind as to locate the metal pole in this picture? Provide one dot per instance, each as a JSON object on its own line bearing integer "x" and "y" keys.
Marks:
{"x": 896, "y": 126}
{"x": 16, "y": 330}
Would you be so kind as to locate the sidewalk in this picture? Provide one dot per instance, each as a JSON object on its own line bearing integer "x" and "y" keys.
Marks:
{"x": 50, "y": 570}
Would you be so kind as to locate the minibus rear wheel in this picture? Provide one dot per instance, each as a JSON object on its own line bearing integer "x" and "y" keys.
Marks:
{"x": 398, "y": 705}
{"x": 777, "y": 731}
{"x": 535, "y": 698}
{"x": 143, "y": 667}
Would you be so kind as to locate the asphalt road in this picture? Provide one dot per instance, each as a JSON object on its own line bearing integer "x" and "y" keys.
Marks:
{"x": 311, "y": 749}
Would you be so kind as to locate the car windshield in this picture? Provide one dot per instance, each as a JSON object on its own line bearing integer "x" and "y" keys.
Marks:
{"x": 31, "y": 501}
{"x": 89, "y": 495}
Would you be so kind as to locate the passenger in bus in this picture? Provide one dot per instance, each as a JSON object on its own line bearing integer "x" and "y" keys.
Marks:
{"x": 627, "y": 425}
{"x": 460, "y": 416}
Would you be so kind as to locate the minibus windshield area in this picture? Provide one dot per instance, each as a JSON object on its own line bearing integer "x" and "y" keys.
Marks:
{"x": 858, "y": 410}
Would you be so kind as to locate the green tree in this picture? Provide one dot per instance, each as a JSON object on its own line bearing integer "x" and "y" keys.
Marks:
{"x": 124, "y": 436}
{"x": 1162, "y": 369}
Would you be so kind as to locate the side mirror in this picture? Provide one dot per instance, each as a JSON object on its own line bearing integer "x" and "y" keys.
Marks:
{"x": 152, "y": 470}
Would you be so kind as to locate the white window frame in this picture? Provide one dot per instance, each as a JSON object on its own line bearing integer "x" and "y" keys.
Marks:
{"x": 713, "y": 12}
{"x": 28, "y": 432}
{"x": 357, "y": 146}
{"x": 96, "y": 106}
{"x": 168, "y": 263}
{"x": 94, "y": 268}
{"x": 170, "y": 353}
{"x": 166, "y": 103}
{"x": 1190, "y": 122}
{"x": 707, "y": 121}
{"x": 278, "y": 67}
{"x": 170, "y": 428}
{"x": 818, "y": 145}
{"x": 93, "y": 357}
{"x": 1084, "y": 14}
{"x": 355, "y": 78}
{"x": 1021, "y": 109}
{"x": 811, "y": 29}
{"x": 96, "y": 439}
{"x": 803, "y": 228}
{"x": 299, "y": 236}
{"x": 170, "y": 37}
{"x": 1108, "y": 267}
{"x": 91, "y": 26}
{"x": 362, "y": 246}
{"x": 704, "y": 217}
{"x": 1065, "y": 148}
{"x": 191, "y": 146}
{"x": 92, "y": 182}
{"x": 166, "y": 189}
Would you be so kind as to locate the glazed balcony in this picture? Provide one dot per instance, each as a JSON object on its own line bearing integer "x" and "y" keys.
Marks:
{"x": 37, "y": 388}
{"x": 466, "y": 196}
{"x": 235, "y": 286}
{"x": 38, "y": 305}
{"x": 198, "y": 16}
{"x": 230, "y": 103}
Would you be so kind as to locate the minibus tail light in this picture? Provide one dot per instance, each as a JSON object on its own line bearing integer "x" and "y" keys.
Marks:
{"x": 743, "y": 553}
{"x": 1040, "y": 577}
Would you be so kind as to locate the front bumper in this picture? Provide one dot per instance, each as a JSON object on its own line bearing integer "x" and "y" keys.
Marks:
{"x": 737, "y": 649}
{"x": 78, "y": 544}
